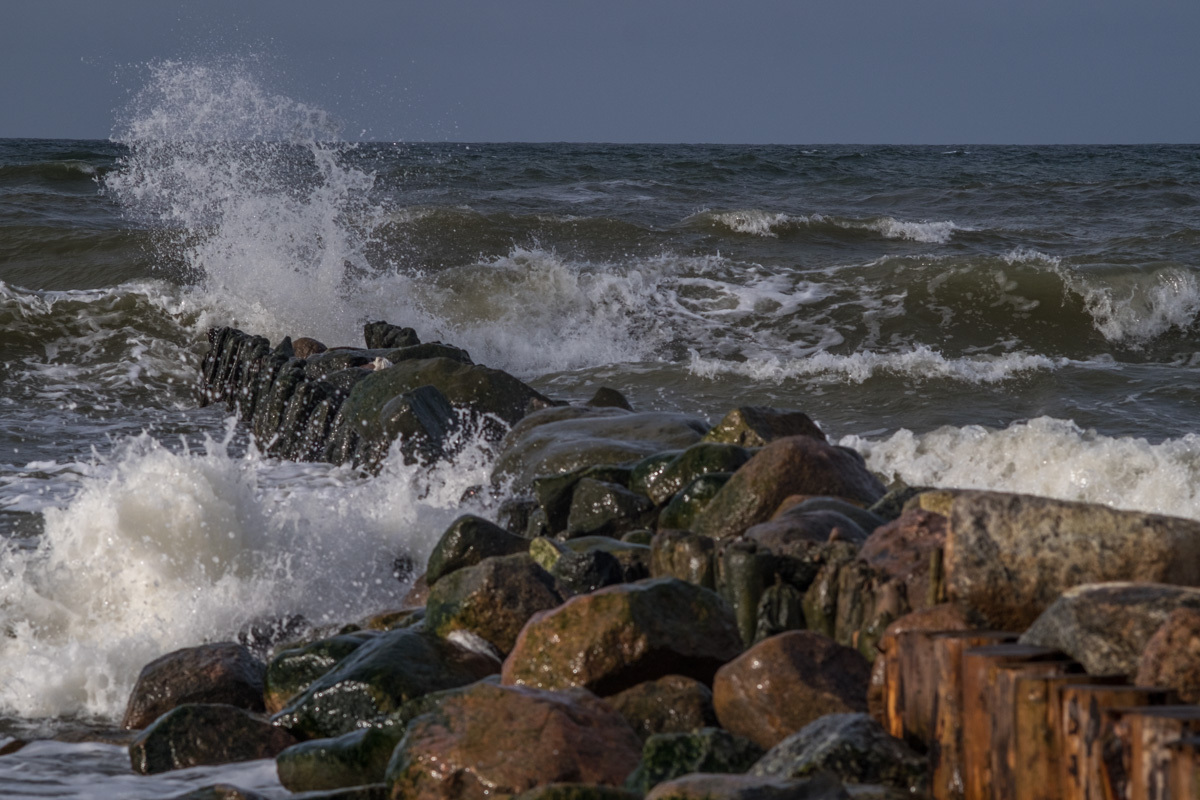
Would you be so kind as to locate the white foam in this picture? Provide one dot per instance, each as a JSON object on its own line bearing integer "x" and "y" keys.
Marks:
{"x": 921, "y": 363}
{"x": 1049, "y": 457}
{"x": 161, "y": 550}
{"x": 755, "y": 222}
{"x": 928, "y": 232}
{"x": 1137, "y": 308}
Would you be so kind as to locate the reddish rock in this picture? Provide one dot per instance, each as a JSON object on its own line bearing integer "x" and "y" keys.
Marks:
{"x": 1172, "y": 656}
{"x": 795, "y": 532}
{"x": 785, "y": 682}
{"x": 418, "y": 593}
{"x": 224, "y": 672}
{"x": 306, "y": 346}
{"x": 793, "y": 465}
{"x": 901, "y": 551}
{"x": 673, "y": 704}
{"x": 619, "y": 636}
{"x": 490, "y": 741}
{"x": 705, "y": 786}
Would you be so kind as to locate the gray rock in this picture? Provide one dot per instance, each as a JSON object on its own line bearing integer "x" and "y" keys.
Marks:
{"x": 671, "y": 755}
{"x": 467, "y": 541}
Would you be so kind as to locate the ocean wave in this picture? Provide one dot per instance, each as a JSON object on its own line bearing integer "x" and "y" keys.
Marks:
{"x": 920, "y": 363}
{"x": 1049, "y": 457}
{"x": 756, "y": 222}
{"x": 1138, "y": 307}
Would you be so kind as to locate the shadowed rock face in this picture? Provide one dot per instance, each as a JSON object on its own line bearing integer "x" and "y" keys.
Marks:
{"x": 673, "y": 704}
{"x": 1009, "y": 556}
{"x": 224, "y": 672}
{"x": 493, "y": 740}
{"x": 198, "y": 734}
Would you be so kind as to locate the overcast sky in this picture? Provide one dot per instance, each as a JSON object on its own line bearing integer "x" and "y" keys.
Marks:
{"x": 755, "y": 71}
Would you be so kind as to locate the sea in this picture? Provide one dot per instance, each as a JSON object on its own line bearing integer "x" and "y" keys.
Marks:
{"x": 1016, "y": 318}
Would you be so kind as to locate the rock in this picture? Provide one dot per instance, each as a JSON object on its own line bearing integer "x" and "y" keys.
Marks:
{"x": 800, "y": 526}
{"x": 684, "y": 555}
{"x": 420, "y": 422}
{"x": 1008, "y": 556}
{"x": 220, "y": 791}
{"x": 853, "y": 747}
{"x": 671, "y": 704}
{"x": 606, "y": 509}
{"x": 377, "y": 678}
{"x": 293, "y": 670}
{"x": 554, "y": 493}
{"x": 793, "y": 465}
{"x": 867, "y": 520}
{"x": 780, "y": 609}
{"x": 699, "y": 459}
{"x": 608, "y": 398}
{"x": 352, "y": 759}
{"x": 633, "y": 558}
{"x": 382, "y": 334}
{"x": 785, "y": 682}
{"x": 577, "y": 791}
{"x": 558, "y": 440}
{"x": 492, "y": 599}
{"x": 681, "y": 512}
{"x": 469, "y": 540}
{"x": 198, "y": 734}
{"x": 586, "y": 571}
{"x": 619, "y": 636}
{"x": 224, "y": 672}
{"x": 1172, "y": 656}
{"x": 1107, "y": 626}
{"x": 671, "y": 755}
{"x": 892, "y": 504}
{"x": 756, "y": 426}
{"x": 703, "y": 786}
{"x": 305, "y": 347}
{"x": 821, "y": 597}
{"x": 548, "y": 737}
{"x": 903, "y": 550}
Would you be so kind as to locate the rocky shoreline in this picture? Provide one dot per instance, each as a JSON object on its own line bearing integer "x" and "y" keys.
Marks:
{"x": 662, "y": 608}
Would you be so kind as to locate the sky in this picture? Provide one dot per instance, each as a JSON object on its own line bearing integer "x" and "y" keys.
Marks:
{"x": 754, "y": 71}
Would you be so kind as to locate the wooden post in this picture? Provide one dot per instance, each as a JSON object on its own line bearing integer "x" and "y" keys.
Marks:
{"x": 945, "y": 752}
{"x": 1185, "y": 768}
{"x": 1144, "y": 738}
{"x": 978, "y": 676}
{"x": 1037, "y": 754}
{"x": 1002, "y": 701}
{"x": 1083, "y": 707}
{"x": 920, "y": 678}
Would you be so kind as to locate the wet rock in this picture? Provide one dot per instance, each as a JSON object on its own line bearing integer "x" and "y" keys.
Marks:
{"x": 821, "y": 597}
{"x": 224, "y": 672}
{"x": 304, "y": 347}
{"x": 196, "y": 734}
{"x": 420, "y": 422}
{"x": 684, "y": 555}
{"x": 220, "y": 791}
{"x": 293, "y": 670}
{"x": 892, "y": 504}
{"x": 671, "y": 755}
{"x": 587, "y": 571}
{"x": 577, "y": 791}
{"x": 681, "y": 511}
{"x": 853, "y": 747}
{"x": 780, "y": 609}
{"x": 756, "y": 426}
{"x": 799, "y": 526}
{"x": 467, "y": 541}
{"x": 559, "y": 440}
{"x": 865, "y": 519}
{"x": 671, "y": 704}
{"x": 352, "y": 759}
{"x": 1172, "y": 656}
{"x": 555, "y": 493}
{"x": 548, "y": 737}
{"x": 785, "y": 682}
{"x": 377, "y": 678}
{"x": 633, "y": 558}
{"x": 1107, "y": 626}
{"x": 619, "y": 636}
{"x": 1008, "y": 556}
{"x": 744, "y": 573}
{"x": 382, "y": 334}
{"x": 699, "y": 459}
{"x": 609, "y": 398}
{"x": 492, "y": 599}
{"x": 906, "y": 550}
{"x": 606, "y": 509}
{"x": 793, "y": 465}
{"x": 703, "y": 786}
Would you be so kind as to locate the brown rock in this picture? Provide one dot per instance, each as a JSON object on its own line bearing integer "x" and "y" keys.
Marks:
{"x": 755, "y": 426}
{"x": 197, "y": 734}
{"x": 785, "y": 682}
{"x": 1008, "y": 556}
{"x": 902, "y": 550}
{"x": 305, "y": 347}
{"x": 224, "y": 672}
{"x": 1172, "y": 656}
{"x": 619, "y": 636}
{"x": 673, "y": 704}
{"x": 418, "y": 593}
{"x": 793, "y": 533}
{"x": 708, "y": 786}
{"x": 793, "y": 465}
{"x": 491, "y": 741}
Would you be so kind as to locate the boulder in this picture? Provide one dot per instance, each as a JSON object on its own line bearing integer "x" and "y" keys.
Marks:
{"x": 582, "y": 572}
{"x": 671, "y": 704}
{"x": 1172, "y": 656}
{"x": 220, "y": 791}
{"x": 1009, "y": 556}
{"x": 469, "y": 540}
{"x": 558, "y": 440}
{"x": 492, "y": 599}
{"x": 420, "y": 422}
{"x": 547, "y": 737}
{"x": 383, "y": 334}
{"x": 793, "y": 465}
{"x": 555, "y": 493}
{"x": 785, "y": 682}
{"x": 684, "y": 555}
{"x": 619, "y": 636}
{"x": 352, "y": 759}
{"x": 798, "y": 526}
{"x": 577, "y": 791}
{"x": 293, "y": 670}
{"x": 704, "y": 786}
{"x": 853, "y": 747}
{"x": 377, "y": 678}
{"x": 608, "y": 398}
{"x": 607, "y": 509}
{"x": 633, "y": 558}
{"x": 671, "y": 755}
{"x": 699, "y": 459}
{"x": 198, "y": 734}
{"x": 1107, "y": 626}
{"x": 756, "y": 426}
{"x": 223, "y": 672}
{"x": 305, "y": 347}
{"x": 681, "y": 511}
{"x": 905, "y": 550}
